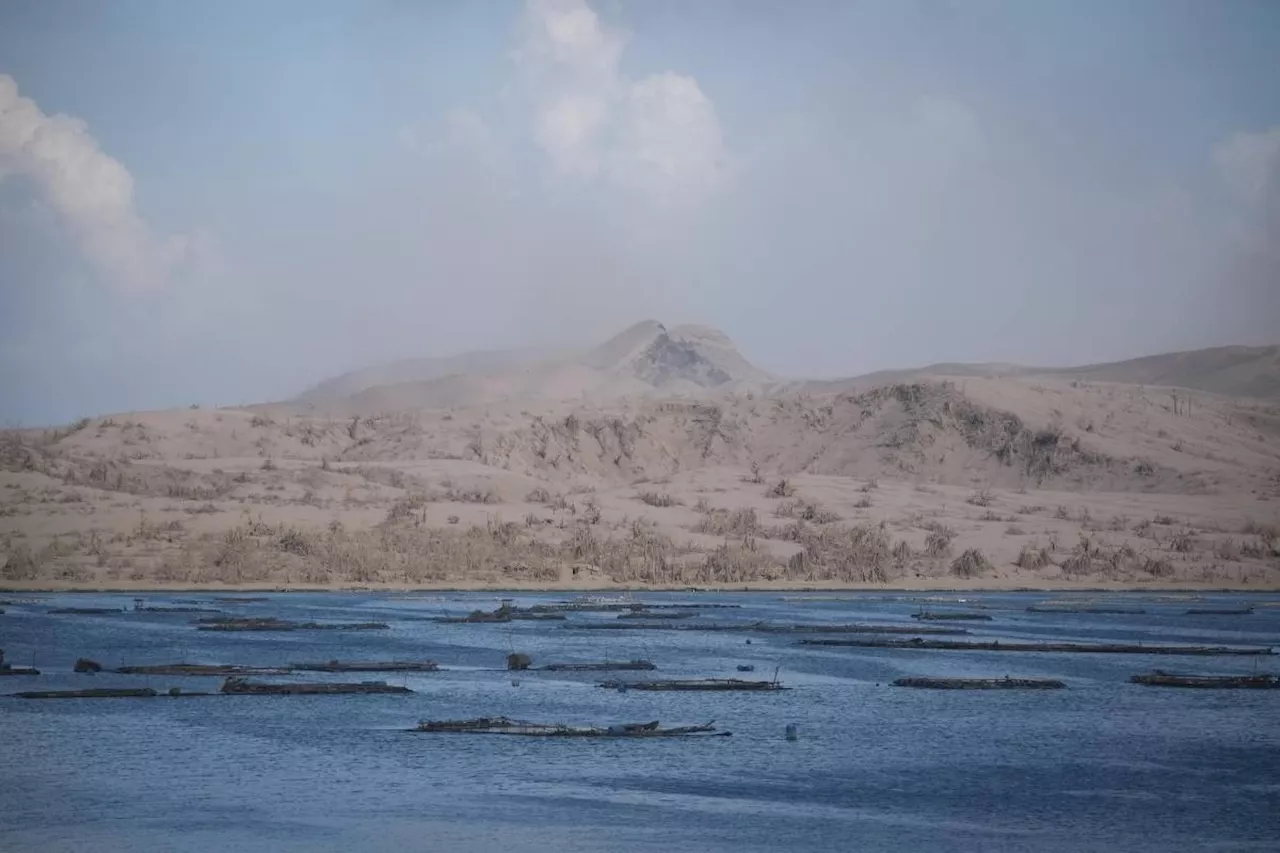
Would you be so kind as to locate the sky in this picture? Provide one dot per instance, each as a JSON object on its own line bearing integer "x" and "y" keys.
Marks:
{"x": 223, "y": 203}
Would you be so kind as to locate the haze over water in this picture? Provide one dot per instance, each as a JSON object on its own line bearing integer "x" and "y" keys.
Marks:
{"x": 1102, "y": 765}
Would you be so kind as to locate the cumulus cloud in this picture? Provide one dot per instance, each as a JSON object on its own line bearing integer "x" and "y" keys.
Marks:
{"x": 91, "y": 192}
{"x": 658, "y": 136}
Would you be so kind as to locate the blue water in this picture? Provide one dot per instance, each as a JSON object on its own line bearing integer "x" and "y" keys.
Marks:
{"x": 1102, "y": 765}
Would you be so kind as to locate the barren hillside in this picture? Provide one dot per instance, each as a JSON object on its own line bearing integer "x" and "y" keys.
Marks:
{"x": 680, "y": 465}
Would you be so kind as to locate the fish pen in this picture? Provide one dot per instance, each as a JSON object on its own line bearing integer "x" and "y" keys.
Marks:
{"x": 505, "y": 726}
{"x": 93, "y": 693}
{"x": 84, "y": 611}
{"x": 367, "y": 666}
{"x": 270, "y": 624}
{"x": 709, "y": 684}
{"x": 1110, "y": 611}
{"x": 599, "y": 666}
{"x": 199, "y": 669}
{"x": 1160, "y": 678}
{"x": 1082, "y": 648}
{"x": 1219, "y": 611}
{"x": 1006, "y": 683}
{"x": 765, "y": 628}
{"x": 244, "y": 687}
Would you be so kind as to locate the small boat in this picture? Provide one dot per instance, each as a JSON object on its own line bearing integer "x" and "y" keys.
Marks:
{"x": 1160, "y": 678}
{"x": 18, "y": 670}
{"x": 505, "y": 726}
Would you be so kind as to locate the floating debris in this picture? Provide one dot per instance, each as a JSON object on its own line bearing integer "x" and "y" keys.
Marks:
{"x": 235, "y": 623}
{"x": 694, "y": 684}
{"x": 998, "y": 646}
{"x": 1006, "y": 683}
{"x": 85, "y": 665}
{"x": 765, "y": 628}
{"x": 94, "y": 693}
{"x": 1219, "y": 611}
{"x": 1160, "y": 678}
{"x": 368, "y": 666}
{"x": 951, "y": 617}
{"x": 746, "y": 667}
{"x": 242, "y": 686}
{"x": 792, "y": 732}
{"x": 1112, "y": 611}
{"x": 599, "y": 666}
{"x": 200, "y": 669}
{"x": 505, "y": 726}
{"x": 518, "y": 660}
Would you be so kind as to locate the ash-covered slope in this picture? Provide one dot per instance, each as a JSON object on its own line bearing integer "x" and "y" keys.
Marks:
{"x": 643, "y": 360}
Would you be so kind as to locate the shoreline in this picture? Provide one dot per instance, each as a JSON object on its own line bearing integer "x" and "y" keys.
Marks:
{"x": 479, "y": 586}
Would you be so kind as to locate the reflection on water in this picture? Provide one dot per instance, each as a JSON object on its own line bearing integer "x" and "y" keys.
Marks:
{"x": 1103, "y": 765}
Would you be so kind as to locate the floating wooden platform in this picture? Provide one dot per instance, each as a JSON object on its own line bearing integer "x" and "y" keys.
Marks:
{"x": 765, "y": 628}
{"x": 505, "y": 726}
{"x": 1005, "y": 683}
{"x": 599, "y": 666}
{"x": 367, "y": 666}
{"x": 269, "y": 624}
{"x": 1014, "y": 646}
{"x": 242, "y": 686}
{"x": 1160, "y": 678}
{"x": 1112, "y": 611}
{"x": 713, "y": 684}
{"x": 952, "y": 617}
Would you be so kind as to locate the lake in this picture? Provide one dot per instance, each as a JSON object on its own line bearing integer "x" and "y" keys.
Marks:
{"x": 1101, "y": 765}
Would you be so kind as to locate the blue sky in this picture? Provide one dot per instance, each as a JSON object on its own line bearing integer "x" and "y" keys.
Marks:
{"x": 223, "y": 203}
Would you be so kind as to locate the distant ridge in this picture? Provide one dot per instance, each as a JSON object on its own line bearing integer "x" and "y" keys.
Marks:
{"x": 649, "y": 359}
{"x": 1232, "y": 371}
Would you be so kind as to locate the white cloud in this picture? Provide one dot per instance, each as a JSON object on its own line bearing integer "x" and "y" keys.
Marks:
{"x": 1249, "y": 163}
{"x": 658, "y": 136}
{"x": 91, "y": 192}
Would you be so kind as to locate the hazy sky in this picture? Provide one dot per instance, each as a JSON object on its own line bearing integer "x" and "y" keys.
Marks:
{"x": 224, "y": 202}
